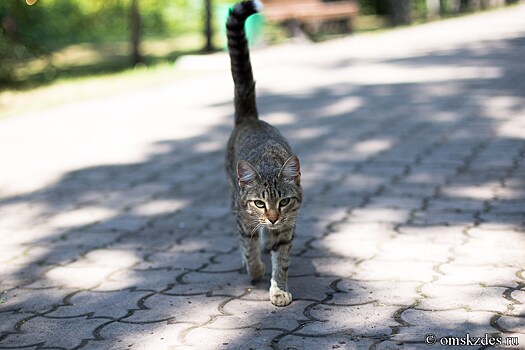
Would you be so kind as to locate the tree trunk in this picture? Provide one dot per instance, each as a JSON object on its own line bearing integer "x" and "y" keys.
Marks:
{"x": 464, "y": 6}
{"x": 443, "y": 7}
{"x": 399, "y": 12}
{"x": 136, "y": 56}
{"x": 208, "y": 25}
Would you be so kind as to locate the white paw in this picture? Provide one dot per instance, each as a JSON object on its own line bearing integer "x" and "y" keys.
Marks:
{"x": 279, "y": 297}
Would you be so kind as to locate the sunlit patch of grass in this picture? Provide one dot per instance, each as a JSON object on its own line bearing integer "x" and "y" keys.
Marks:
{"x": 90, "y": 70}
{"x": 87, "y": 59}
{"x": 161, "y": 47}
{"x": 369, "y": 23}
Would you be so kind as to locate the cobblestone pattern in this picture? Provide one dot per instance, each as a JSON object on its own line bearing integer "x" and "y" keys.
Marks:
{"x": 414, "y": 220}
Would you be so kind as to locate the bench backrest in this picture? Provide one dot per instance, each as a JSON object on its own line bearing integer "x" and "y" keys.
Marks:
{"x": 290, "y": 2}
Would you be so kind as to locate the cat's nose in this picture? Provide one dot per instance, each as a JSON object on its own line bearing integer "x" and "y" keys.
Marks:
{"x": 272, "y": 216}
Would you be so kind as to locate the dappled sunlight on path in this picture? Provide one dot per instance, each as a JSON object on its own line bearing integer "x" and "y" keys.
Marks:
{"x": 115, "y": 221}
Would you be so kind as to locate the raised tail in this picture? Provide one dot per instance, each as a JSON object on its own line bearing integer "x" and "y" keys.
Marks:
{"x": 241, "y": 67}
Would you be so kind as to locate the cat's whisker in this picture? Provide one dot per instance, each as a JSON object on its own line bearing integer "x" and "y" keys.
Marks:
{"x": 302, "y": 228}
{"x": 255, "y": 229}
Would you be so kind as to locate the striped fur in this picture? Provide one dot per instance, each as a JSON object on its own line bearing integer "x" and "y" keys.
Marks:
{"x": 241, "y": 67}
{"x": 264, "y": 174}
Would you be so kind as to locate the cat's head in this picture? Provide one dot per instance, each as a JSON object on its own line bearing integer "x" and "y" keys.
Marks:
{"x": 271, "y": 201}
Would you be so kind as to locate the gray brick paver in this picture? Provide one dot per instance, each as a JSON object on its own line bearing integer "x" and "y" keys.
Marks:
{"x": 342, "y": 342}
{"x": 381, "y": 292}
{"x": 65, "y": 333}
{"x": 119, "y": 335}
{"x": 443, "y": 322}
{"x": 365, "y": 319}
{"x": 413, "y": 154}
{"x": 469, "y": 297}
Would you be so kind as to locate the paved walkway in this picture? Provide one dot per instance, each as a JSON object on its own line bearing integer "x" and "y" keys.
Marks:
{"x": 116, "y": 231}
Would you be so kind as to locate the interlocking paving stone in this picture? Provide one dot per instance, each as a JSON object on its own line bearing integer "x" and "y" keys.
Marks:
{"x": 79, "y": 275}
{"x": 311, "y": 287}
{"x": 9, "y": 320}
{"x": 470, "y": 297}
{"x": 239, "y": 338}
{"x": 395, "y": 202}
{"x": 345, "y": 244}
{"x": 511, "y": 323}
{"x": 343, "y": 342}
{"x": 432, "y": 218}
{"x": 396, "y": 270}
{"x": 54, "y": 332}
{"x": 519, "y": 296}
{"x": 176, "y": 260}
{"x": 455, "y": 273}
{"x": 403, "y": 247}
{"x": 443, "y": 323}
{"x": 334, "y": 266}
{"x": 381, "y": 293}
{"x": 118, "y": 335}
{"x": 453, "y": 235}
{"x": 146, "y": 279}
{"x": 366, "y": 319}
{"x": 192, "y": 308}
{"x": 237, "y": 315}
{"x": 412, "y": 144}
{"x": 110, "y": 305}
{"x": 380, "y": 214}
{"x": 33, "y": 300}
{"x": 408, "y": 190}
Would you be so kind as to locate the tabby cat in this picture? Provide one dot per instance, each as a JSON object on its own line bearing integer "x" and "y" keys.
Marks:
{"x": 264, "y": 174}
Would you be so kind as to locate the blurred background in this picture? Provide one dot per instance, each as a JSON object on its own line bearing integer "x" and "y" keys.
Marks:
{"x": 45, "y": 41}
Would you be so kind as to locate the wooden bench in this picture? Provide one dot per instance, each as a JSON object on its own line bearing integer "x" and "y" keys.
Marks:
{"x": 302, "y": 17}
{"x": 301, "y": 14}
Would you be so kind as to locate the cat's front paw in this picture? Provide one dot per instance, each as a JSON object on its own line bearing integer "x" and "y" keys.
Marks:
{"x": 279, "y": 297}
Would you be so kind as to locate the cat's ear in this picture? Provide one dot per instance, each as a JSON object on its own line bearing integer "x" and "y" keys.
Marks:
{"x": 291, "y": 170}
{"x": 246, "y": 174}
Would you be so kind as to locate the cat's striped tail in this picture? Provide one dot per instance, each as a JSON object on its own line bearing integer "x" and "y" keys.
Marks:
{"x": 241, "y": 67}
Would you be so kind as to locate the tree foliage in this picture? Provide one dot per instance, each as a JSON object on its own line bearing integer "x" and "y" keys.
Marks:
{"x": 55, "y": 23}
{"x": 32, "y": 31}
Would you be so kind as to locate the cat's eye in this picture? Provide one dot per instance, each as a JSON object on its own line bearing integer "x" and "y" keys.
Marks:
{"x": 284, "y": 202}
{"x": 259, "y": 204}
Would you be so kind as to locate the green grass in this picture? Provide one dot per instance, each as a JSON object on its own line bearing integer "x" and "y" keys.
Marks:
{"x": 369, "y": 23}
{"x": 91, "y": 70}
{"x": 92, "y": 59}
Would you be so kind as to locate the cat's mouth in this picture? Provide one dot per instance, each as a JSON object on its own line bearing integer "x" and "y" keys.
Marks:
{"x": 274, "y": 225}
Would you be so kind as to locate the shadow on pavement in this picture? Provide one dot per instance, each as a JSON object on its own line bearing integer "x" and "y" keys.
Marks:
{"x": 402, "y": 181}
